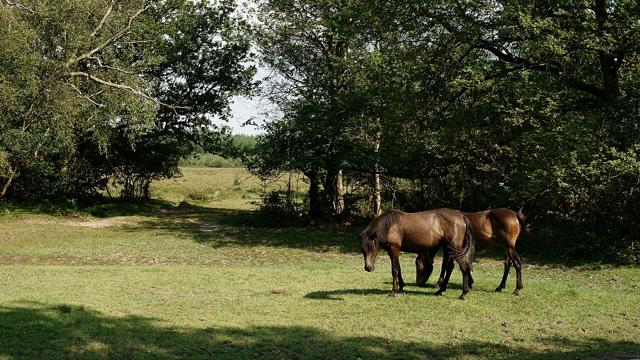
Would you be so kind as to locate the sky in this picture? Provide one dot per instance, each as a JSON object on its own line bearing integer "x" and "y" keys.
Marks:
{"x": 244, "y": 109}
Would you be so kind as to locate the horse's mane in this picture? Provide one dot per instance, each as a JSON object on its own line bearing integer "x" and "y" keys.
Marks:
{"x": 379, "y": 227}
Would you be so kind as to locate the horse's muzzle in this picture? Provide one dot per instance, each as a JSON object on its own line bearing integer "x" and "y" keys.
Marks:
{"x": 368, "y": 268}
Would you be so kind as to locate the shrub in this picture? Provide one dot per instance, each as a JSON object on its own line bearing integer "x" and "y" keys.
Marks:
{"x": 281, "y": 207}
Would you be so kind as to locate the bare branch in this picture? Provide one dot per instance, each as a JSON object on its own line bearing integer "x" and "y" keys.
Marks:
{"x": 22, "y": 7}
{"x": 110, "y": 40}
{"x": 127, "y": 89}
{"x": 87, "y": 97}
{"x": 551, "y": 68}
{"x": 104, "y": 19}
{"x": 101, "y": 65}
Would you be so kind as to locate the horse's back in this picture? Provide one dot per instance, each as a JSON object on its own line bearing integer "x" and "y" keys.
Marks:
{"x": 426, "y": 229}
{"x": 499, "y": 224}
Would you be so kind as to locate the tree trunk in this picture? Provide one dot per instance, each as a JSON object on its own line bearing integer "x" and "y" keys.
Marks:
{"x": 609, "y": 69}
{"x": 314, "y": 195}
{"x": 7, "y": 184}
{"x": 609, "y": 63}
{"x": 377, "y": 192}
{"x": 335, "y": 192}
{"x": 424, "y": 194}
{"x": 377, "y": 184}
{"x": 12, "y": 173}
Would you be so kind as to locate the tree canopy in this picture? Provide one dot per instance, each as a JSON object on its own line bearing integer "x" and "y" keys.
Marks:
{"x": 464, "y": 104}
{"x": 103, "y": 88}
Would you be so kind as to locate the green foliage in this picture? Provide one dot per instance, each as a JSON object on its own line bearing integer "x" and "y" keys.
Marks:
{"x": 238, "y": 147}
{"x": 280, "y": 207}
{"x": 210, "y": 160}
{"x": 478, "y": 104}
{"x": 94, "y": 89}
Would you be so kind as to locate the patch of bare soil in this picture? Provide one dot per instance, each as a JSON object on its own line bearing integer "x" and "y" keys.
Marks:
{"x": 205, "y": 225}
{"x": 113, "y": 259}
{"x": 86, "y": 222}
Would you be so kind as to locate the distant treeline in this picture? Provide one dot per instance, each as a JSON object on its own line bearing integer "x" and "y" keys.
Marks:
{"x": 244, "y": 143}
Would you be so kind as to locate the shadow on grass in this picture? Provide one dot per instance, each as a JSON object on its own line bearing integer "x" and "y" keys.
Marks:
{"x": 428, "y": 290}
{"x": 229, "y": 227}
{"x": 38, "y": 331}
{"x": 337, "y": 294}
{"x": 226, "y": 227}
{"x": 101, "y": 207}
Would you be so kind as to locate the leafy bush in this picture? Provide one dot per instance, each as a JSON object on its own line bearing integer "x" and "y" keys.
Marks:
{"x": 280, "y": 207}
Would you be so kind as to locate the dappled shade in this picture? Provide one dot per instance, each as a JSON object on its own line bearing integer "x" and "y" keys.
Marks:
{"x": 39, "y": 331}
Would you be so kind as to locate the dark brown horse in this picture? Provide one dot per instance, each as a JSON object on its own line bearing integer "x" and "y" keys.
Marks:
{"x": 489, "y": 227}
{"x": 396, "y": 231}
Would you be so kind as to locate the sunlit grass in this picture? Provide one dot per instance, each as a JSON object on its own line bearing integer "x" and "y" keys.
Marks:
{"x": 206, "y": 279}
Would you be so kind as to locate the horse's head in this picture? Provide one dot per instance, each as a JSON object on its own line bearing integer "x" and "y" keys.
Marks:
{"x": 369, "y": 246}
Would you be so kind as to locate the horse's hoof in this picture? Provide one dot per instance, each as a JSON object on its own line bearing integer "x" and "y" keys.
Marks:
{"x": 439, "y": 293}
{"x": 461, "y": 297}
{"x": 394, "y": 293}
{"x": 499, "y": 289}
{"x": 516, "y": 292}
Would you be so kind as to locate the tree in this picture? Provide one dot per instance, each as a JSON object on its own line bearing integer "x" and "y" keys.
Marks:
{"x": 306, "y": 43}
{"x": 92, "y": 72}
{"x": 468, "y": 104}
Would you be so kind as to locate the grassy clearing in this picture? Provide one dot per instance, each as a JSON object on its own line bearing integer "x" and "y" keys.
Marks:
{"x": 201, "y": 280}
{"x": 224, "y": 188}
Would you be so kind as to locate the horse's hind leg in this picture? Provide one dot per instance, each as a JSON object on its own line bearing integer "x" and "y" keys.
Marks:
{"x": 400, "y": 280}
{"x": 443, "y": 270}
{"x": 465, "y": 267}
{"x": 507, "y": 267}
{"x": 447, "y": 268}
{"x": 517, "y": 263}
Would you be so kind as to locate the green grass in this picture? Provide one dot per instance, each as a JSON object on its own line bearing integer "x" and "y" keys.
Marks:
{"x": 205, "y": 280}
{"x": 225, "y": 188}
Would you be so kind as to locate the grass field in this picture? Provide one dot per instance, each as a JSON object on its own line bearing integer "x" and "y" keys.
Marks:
{"x": 195, "y": 275}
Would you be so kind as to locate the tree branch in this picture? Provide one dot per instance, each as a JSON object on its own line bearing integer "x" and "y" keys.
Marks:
{"x": 547, "y": 67}
{"x": 22, "y": 7}
{"x": 110, "y": 40}
{"x": 101, "y": 65}
{"x": 87, "y": 97}
{"x": 104, "y": 19}
{"x": 127, "y": 89}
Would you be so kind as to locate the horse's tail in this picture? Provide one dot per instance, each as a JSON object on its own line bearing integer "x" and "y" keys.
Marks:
{"x": 468, "y": 244}
{"x": 521, "y": 219}
{"x": 466, "y": 253}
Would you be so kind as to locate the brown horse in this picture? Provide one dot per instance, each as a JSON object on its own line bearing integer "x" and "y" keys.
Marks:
{"x": 489, "y": 227}
{"x": 396, "y": 231}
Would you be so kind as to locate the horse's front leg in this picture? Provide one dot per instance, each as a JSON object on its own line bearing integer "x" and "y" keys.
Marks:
{"x": 398, "y": 283}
